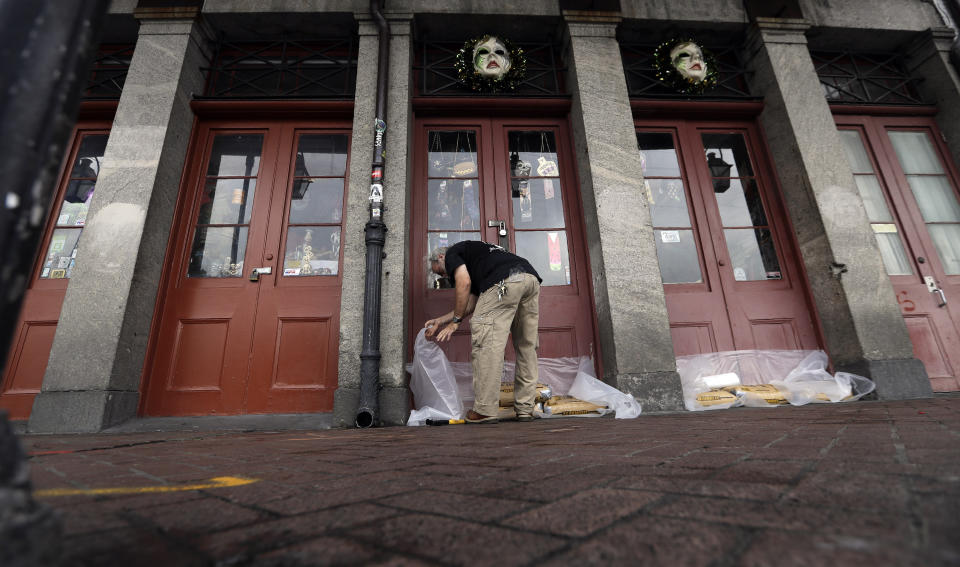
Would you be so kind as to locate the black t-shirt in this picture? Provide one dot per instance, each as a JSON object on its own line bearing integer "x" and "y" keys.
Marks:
{"x": 487, "y": 264}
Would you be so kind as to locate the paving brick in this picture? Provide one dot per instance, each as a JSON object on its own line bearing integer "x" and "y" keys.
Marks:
{"x": 556, "y": 487}
{"x": 854, "y": 491}
{"x": 320, "y": 551}
{"x": 261, "y": 537}
{"x": 653, "y": 541}
{"x": 457, "y": 542}
{"x": 307, "y": 500}
{"x": 792, "y": 549}
{"x": 939, "y": 522}
{"x": 85, "y": 519}
{"x": 198, "y": 516}
{"x": 823, "y": 484}
{"x": 466, "y": 506}
{"x": 126, "y": 547}
{"x": 583, "y": 513}
{"x": 479, "y": 486}
{"x": 741, "y": 513}
{"x": 757, "y": 471}
{"x": 718, "y": 488}
{"x": 708, "y": 459}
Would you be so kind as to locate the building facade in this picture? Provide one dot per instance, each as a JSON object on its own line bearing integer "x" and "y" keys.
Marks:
{"x": 206, "y": 252}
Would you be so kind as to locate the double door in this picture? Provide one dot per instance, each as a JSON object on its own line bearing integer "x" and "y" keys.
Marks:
{"x": 909, "y": 189}
{"x": 249, "y": 321}
{"x": 730, "y": 271}
{"x": 509, "y": 182}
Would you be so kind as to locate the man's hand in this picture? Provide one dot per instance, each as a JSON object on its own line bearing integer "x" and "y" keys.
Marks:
{"x": 447, "y": 331}
{"x": 433, "y": 325}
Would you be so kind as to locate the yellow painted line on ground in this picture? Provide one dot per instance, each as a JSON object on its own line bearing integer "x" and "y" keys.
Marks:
{"x": 219, "y": 482}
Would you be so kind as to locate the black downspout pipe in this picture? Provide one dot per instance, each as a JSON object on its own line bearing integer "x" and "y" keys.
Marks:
{"x": 376, "y": 233}
{"x": 47, "y": 48}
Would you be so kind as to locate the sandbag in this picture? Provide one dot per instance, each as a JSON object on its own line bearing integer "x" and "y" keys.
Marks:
{"x": 506, "y": 394}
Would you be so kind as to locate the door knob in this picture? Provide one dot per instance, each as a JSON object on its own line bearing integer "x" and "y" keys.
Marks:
{"x": 722, "y": 263}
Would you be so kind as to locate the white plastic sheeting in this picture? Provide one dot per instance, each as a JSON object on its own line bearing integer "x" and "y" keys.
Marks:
{"x": 444, "y": 390}
{"x": 801, "y": 375}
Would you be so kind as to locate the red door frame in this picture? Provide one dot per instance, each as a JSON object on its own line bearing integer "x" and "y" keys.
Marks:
{"x": 547, "y": 114}
{"x": 333, "y": 114}
{"x": 43, "y": 298}
{"x": 914, "y": 300}
{"x": 736, "y": 116}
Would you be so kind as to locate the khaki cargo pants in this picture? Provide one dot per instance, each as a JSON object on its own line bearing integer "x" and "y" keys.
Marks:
{"x": 496, "y": 315}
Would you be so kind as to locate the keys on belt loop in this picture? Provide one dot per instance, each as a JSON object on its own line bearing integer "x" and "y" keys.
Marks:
{"x": 501, "y": 290}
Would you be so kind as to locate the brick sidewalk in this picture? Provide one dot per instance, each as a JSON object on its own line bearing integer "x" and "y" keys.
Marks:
{"x": 870, "y": 483}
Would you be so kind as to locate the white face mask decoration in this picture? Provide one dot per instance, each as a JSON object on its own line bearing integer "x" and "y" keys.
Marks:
{"x": 491, "y": 59}
{"x": 687, "y": 59}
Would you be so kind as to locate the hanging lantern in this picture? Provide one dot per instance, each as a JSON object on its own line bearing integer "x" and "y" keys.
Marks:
{"x": 719, "y": 169}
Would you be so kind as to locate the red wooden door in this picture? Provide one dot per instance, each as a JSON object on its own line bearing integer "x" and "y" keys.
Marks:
{"x": 43, "y": 299}
{"x": 265, "y": 197}
{"x": 909, "y": 188}
{"x": 730, "y": 271}
{"x": 472, "y": 175}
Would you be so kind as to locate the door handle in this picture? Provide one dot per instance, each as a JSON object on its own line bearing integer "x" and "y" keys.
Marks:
{"x": 933, "y": 288}
{"x": 501, "y": 232}
{"x": 255, "y": 274}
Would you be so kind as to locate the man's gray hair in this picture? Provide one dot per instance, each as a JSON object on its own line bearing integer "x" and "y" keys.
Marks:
{"x": 435, "y": 255}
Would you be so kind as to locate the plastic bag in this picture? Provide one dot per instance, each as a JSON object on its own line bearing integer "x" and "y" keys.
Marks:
{"x": 432, "y": 382}
{"x": 799, "y": 377}
{"x": 810, "y": 382}
{"x": 588, "y": 388}
{"x": 441, "y": 389}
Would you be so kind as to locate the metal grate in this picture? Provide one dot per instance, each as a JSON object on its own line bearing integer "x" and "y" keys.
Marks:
{"x": 108, "y": 72}
{"x": 437, "y": 76}
{"x": 283, "y": 69}
{"x": 642, "y": 79}
{"x": 875, "y": 78}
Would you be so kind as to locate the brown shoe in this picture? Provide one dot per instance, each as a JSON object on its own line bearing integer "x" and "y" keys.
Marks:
{"x": 474, "y": 417}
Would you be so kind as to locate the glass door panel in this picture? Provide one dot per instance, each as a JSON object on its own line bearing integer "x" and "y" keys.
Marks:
{"x": 223, "y": 221}
{"x": 933, "y": 192}
{"x": 453, "y": 196}
{"x": 749, "y": 239}
{"x": 884, "y": 227}
{"x": 313, "y": 235}
{"x": 536, "y": 198}
{"x": 669, "y": 209}
{"x": 72, "y": 216}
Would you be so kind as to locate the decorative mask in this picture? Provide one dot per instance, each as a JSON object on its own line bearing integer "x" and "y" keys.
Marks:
{"x": 687, "y": 58}
{"x": 491, "y": 58}
{"x": 685, "y": 67}
{"x": 490, "y": 64}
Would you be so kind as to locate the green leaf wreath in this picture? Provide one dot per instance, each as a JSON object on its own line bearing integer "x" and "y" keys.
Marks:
{"x": 469, "y": 76}
{"x": 669, "y": 75}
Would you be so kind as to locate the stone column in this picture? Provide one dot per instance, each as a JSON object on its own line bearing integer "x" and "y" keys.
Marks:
{"x": 864, "y": 330}
{"x": 631, "y": 309}
{"x": 93, "y": 378}
{"x": 929, "y": 59}
{"x": 394, "y": 397}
